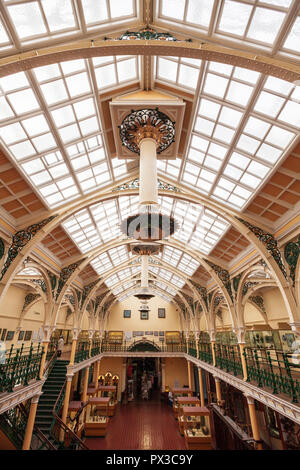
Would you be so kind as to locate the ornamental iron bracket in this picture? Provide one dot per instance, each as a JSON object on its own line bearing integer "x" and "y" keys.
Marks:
{"x": 202, "y": 291}
{"x": 291, "y": 255}
{"x": 259, "y": 301}
{"x": 268, "y": 240}
{"x": 223, "y": 275}
{"x": 29, "y": 298}
{"x": 20, "y": 239}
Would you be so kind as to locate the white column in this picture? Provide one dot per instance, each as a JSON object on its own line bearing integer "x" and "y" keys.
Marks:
{"x": 148, "y": 172}
{"x": 144, "y": 271}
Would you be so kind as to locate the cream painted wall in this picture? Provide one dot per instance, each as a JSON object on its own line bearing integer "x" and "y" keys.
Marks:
{"x": 275, "y": 307}
{"x": 116, "y": 322}
{"x": 252, "y": 315}
{"x": 11, "y": 308}
{"x": 176, "y": 371}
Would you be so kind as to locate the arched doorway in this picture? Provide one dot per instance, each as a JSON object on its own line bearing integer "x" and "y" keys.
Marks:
{"x": 143, "y": 378}
{"x": 144, "y": 346}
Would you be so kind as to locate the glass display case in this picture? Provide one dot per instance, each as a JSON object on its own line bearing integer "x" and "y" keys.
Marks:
{"x": 226, "y": 337}
{"x": 96, "y": 418}
{"x": 172, "y": 337}
{"x": 270, "y": 339}
{"x": 83, "y": 336}
{"x": 180, "y": 392}
{"x": 287, "y": 337}
{"x": 184, "y": 402}
{"x": 91, "y": 391}
{"x": 204, "y": 337}
{"x": 197, "y": 428}
{"x": 115, "y": 337}
{"x": 111, "y": 392}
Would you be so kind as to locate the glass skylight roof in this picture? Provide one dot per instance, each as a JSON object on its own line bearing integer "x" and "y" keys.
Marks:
{"x": 244, "y": 123}
{"x": 242, "y": 128}
{"x": 254, "y": 21}
{"x": 199, "y": 229}
{"x": 29, "y": 272}
{"x": 183, "y": 72}
{"x": 44, "y": 20}
{"x": 51, "y": 126}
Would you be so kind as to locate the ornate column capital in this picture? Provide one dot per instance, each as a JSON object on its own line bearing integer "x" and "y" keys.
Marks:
{"x": 76, "y": 332}
{"x": 240, "y": 333}
{"x": 91, "y": 333}
{"x": 47, "y": 331}
{"x": 212, "y": 335}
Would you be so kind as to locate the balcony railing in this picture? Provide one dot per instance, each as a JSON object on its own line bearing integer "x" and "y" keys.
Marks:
{"x": 273, "y": 369}
{"x": 228, "y": 358}
{"x": 82, "y": 351}
{"x": 205, "y": 352}
{"x": 139, "y": 346}
{"x": 19, "y": 366}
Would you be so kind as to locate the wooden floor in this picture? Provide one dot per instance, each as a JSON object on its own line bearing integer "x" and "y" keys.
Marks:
{"x": 143, "y": 425}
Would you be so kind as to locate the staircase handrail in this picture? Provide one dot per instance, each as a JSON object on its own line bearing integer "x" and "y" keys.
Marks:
{"x": 36, "y": 429}
{"x": 50, "y": 363}
{"x": 63, "y": 426}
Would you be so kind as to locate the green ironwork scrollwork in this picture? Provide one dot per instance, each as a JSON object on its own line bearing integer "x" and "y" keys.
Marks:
{"x": 147, "y": 34}
{"x": 291, "y": 255}
{"x": 259, "y": 301}
{"x": 29, "y": 298}
{"x": 223, "y": 275}
{"x": 202, "y": 291}
{"x": 2, "y": 248}
{"x": 20, "y": 239}
{"x": 268, "y": 241}
{"x": 236, "y": 282}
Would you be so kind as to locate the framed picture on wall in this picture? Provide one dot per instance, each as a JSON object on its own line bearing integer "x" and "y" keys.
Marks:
{"x": 161, "y": 313}
{"x": 144, "y": 315}
{"x": 3, "y": 334}
{"x": 21, "y": 335}
{"x": 126, "y": 313}
{"x": 148, "y": 333}
{"x": 10, "y": 335}
{"x": 155, "y": 333}
{"x": 161, "y": 333}
{"x": 28, "y": 335}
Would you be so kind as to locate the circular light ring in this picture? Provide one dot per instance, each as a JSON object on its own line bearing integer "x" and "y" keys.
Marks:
{"x": 149, "y": 226}
{"x": 144, "y": 123}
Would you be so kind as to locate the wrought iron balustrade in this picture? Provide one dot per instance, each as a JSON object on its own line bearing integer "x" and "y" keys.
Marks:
{"x": 13, "y": 423}
{"x": 96, "y": 348}
{"x": 59, "y": 429}
{"x": 228, "y": 358}
{"x": 192, "y": 350}
{"x": 140, "y": 346}
{"x": 19, "y": 366}
{"x": 82, "y": 351}
{"x": 273, "y": 369}
{"x": 205, "y": 352}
